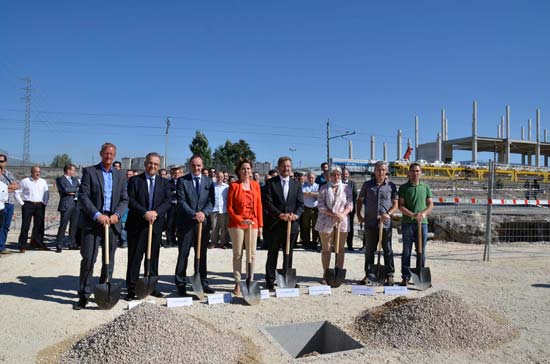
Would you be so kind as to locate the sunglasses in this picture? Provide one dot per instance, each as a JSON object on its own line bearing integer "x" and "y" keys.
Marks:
{"x": 3, "y": 161}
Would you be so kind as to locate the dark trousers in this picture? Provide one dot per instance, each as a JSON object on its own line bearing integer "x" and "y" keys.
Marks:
{"x": 5, "y": 226}
{"x": 137, "y": 249}
{"x": 187, "y": 238}
{"x": 372, "y": 246}
{"x": 35, "y": 211}
{"x": 308, "y": 234}
{"x": 277, "y": 240}
{"x": 351, "y": 219}
{"x": 171, "y": 225}
{"x": 89, "y": 247}
{"x": 70, "y": 215}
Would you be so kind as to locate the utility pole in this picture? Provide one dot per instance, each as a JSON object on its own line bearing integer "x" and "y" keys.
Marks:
{"x": 336, "y": 136}
{"x": 27, "y": 128}
{"x": 166, "y": 142}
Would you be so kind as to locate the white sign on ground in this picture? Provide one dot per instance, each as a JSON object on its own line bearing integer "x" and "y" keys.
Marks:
{"x": 219, "y": 298}
{"x": 264, "y": 294}
{"x": 395, "y": 290}
{"x": 287, "y": 292}
{"x": 319, "y": 290}
{"x": 178, "y": 301}
{"x": 363, "y": 290}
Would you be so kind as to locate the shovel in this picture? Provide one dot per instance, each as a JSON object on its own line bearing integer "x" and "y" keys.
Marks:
{"x": 378, "y": 274}
{"x": 196, "y": 278}
{"x": 336, "y": 276}
{"x": 250, "y": 288}
{"x": 106, "y": 294}
{"x": 286, "y": 277}
{"x": 420, "y": 275}
{"x": 146, "y": 285}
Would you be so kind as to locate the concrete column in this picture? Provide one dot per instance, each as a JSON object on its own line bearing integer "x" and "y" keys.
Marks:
{"x": 502, "y": 128}
{"x": 443, "y": 124}
{"x": 446, "y": 129}
{"x": 385, "y": 152}
{"x": 416, "y": 137}
{"x": 409, "y": 143}
{"x": 529, "y": 129}
{"x": 529, "y": 159}
{"x": 498, "y": 131}
{"x": 523, "y": 159}
{"x": 399, "y": 136}
{"x": 474, "y": 132}
{"x": 545, "y": 135}
{"x": 522, "y": 133}
{"x": 439, "y": 146}
{"x": 537, "y": 150}
{"x": 546, "y": 161}
{"x": 372, "y": 148}
{"x": 507, "y": 151}
{"x": 350, "y": 145}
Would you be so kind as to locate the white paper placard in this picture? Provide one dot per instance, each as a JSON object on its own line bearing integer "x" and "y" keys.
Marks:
{"x": 363, "y": 290}
{"x": 287, "y": 292}
{"x": 133, "y": 304}
{"x": 179, "y": 301}
{"x": 264, "y": 294}
{"x": 219, "y": 298}
{"x": 319, "y": 290}
{"x": 395, "y": 290}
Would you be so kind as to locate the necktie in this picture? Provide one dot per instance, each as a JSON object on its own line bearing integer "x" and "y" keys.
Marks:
{"x": 285, "y": 188}
{"x": 151, "y": 191}
{"x": 198, "y": 186}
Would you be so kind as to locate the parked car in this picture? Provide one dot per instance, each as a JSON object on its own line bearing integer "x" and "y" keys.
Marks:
{"x": 402, "y": 162}
{"x": 438, "y": 164}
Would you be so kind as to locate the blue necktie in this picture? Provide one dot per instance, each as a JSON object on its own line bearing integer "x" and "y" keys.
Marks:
{"x": 151, "y": 192}
{"x": 198, "y": 186}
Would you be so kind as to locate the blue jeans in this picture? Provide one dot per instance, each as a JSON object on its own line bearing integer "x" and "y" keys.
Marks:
{"x": 5, "y": 227}
{"x": 410, "y": 236}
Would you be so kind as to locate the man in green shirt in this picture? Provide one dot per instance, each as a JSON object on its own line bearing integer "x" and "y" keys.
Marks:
{"x": 415, "y": 202}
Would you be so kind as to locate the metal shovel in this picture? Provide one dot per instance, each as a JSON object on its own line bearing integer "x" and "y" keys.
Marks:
{"x": 250, "y": 289}
{"x": 106, "y": 294}
{"x": 286, "y": 277}
{"x": 146, "y": 285}
{"x": 335, "y": 277}
{"x": 378, "y": 274}
{"x": 196, "y": 282}
{"x": 421, "y": 275}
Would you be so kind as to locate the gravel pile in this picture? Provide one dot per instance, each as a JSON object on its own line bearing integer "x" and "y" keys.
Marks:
{"x": 437, "y": 322}
{"x": 150, "y": 333}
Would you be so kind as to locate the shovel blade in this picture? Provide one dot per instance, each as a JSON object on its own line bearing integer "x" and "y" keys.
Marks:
{"x": 340, "y": 277}
{"x": 422, "y": 278}
{"x": 145, "y": 286}
{"x": 377, "y": 275}
{"x": 196, "y": 283}
{"x": 251, "y": 292}
{"x": 107, "y": 295}
{"x": 286, "y": 279}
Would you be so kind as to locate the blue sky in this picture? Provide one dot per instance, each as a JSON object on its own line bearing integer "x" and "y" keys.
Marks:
{"x": 268, "y": 72}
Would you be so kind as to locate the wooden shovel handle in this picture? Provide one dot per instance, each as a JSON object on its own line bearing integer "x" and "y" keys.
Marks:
{"x": 288, "y": 229}
{"x": 199, "y": 238}
{"x": 149, "y": 239}
{"x": 380, "y": 233}
{"x": 249, "y": 247}
{"x": 106, "y": 252}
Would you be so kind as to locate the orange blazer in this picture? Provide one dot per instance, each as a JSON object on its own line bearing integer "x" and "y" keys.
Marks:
{"x": 235, "y": 204}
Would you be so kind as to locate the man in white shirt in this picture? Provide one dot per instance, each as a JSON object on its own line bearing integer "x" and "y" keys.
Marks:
{"x": 219, "y": 215}
{"x": 33, "y": 196}
{"x": 308, "y": 234}
{"x": 3, "y": 200}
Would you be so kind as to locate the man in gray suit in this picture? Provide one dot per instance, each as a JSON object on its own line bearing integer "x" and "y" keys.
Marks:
{"x": 103, "y": 200}
{"x": 195, "y": 201}
{"x": 67, "y": 186}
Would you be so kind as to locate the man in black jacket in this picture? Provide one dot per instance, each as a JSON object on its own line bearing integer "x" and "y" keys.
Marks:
{"x": 67, "y": 186}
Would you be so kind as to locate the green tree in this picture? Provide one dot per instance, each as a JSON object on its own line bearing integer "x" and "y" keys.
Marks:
{"x": 199, "y": 146}
{"x": 61, "y": 160}
{"x": 228, "y": 154}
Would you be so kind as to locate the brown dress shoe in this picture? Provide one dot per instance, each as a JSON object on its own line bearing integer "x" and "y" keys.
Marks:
{"x": 404, "y": 282}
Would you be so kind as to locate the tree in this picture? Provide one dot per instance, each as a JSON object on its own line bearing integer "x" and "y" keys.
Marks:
{"x": 199, "y": 146}
{"x": 61, "y": 160}
{"x": 228, "y": 154}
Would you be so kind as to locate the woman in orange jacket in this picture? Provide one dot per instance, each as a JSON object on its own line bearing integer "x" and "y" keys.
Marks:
{"x": 244, "y": 206}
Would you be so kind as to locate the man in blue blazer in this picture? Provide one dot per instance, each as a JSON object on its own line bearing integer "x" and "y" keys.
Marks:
{"x": 67, "y": 186}
{"x": 195, "y": 201}
{"x": 103, "y": 198}
{"x": 145, "y": 208}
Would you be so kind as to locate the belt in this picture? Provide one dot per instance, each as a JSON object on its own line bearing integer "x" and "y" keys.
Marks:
{"x": 33, "y": 203}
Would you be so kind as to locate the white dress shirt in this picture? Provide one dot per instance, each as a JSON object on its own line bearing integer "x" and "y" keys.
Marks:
{"x": 285, "y": 184}
{"x": 33, "y": 191}
{"x": 3, "y": 194}
{"x": 310, "y": 201}
{"x": 220, "y": 198}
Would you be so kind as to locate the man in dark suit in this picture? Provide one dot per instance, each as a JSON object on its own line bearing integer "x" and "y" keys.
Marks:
{"x": 351, "y": 216}
{"x": 149, "y": 199}
{"x": 103, "y": 199}
{"x": 67, "y": 186}
{"x": 195, "y": 202}
{"x": 285, "y": 202}
{"x": 171, "y": 223}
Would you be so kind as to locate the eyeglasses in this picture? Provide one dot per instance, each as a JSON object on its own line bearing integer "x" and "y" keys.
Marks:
{"x": 3, "y": 161}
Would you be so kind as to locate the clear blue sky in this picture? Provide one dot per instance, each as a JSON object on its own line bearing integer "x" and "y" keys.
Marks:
{"x": 268, "y": 72}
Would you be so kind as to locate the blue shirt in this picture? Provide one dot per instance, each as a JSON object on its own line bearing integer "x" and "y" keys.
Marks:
{"x": 107, "y": 188}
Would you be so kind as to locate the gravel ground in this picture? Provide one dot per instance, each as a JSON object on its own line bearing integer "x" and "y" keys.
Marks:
{"x": 37, "y": 290}
{"x": 439, "y": 321}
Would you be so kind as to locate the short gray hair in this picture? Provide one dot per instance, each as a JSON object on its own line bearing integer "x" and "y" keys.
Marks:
{"x": 335, "y": 169}
{"x": 380, "y": 164}
{"x": 152, "y": 154}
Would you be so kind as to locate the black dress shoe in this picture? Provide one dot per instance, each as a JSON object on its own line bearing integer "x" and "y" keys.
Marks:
{"x": 157, "y": 294}
{"x": 59, "y": 250}
{"x": 80, "y": 304}
{"x": 270, "y": 286}
{"x": 130, "y": 296}
{"x": 207, "y": 289}
{"x": 182, "y": 292}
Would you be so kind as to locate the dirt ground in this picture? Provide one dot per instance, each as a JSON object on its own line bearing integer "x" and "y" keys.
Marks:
{"x": 38, "y": 288}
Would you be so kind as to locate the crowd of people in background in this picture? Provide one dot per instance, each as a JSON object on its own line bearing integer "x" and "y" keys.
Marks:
{"x": 239, "y": 211}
